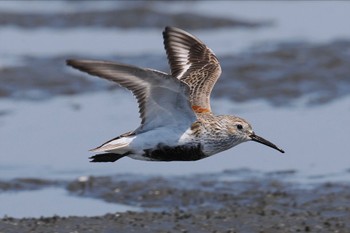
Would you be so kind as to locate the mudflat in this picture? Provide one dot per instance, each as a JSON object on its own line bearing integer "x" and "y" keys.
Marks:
{"x": 198, "y": 203}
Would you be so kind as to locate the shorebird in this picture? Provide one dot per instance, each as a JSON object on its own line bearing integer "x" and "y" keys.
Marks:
{"x": 177, "y": 123}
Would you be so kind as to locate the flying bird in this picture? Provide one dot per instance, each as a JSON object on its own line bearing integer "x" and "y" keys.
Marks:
{"x": 177, "y": 123}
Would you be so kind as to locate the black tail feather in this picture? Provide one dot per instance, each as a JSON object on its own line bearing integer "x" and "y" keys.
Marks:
{"x": 106, "y": 157}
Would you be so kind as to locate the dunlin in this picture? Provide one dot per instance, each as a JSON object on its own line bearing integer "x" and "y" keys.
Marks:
{"x": 177, "y": 123}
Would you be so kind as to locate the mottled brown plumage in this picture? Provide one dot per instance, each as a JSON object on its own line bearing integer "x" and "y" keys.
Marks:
{"x": 194, "y": 63}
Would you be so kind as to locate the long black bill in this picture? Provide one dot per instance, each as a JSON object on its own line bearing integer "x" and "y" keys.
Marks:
{"x": 261, "y": 140}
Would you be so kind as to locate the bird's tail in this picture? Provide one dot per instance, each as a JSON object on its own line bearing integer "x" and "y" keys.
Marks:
{"x": 106, "y": 157}
{"x": 118, "y": 145}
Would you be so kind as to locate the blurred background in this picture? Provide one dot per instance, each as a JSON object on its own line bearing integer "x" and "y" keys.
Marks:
{"x": 286, "y": 69}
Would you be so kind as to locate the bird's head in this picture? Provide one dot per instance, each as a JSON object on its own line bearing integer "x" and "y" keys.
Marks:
{"x": 243, "y": 131}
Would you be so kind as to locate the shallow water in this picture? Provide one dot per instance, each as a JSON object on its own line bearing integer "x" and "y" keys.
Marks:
{"x": 57, "y": 202}
{"x": 50, "y": 142}
{"x": 286, "y": 65}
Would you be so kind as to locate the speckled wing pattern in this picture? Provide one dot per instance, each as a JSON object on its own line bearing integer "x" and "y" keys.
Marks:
{"x": 192, "y": 62}
{"x": 163, "y": 99}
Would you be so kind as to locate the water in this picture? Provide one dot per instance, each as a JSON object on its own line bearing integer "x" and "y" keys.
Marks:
{"x": 50, "y": 138}
{"x": 57, "y": 202}
{"x": 50, "y": 143}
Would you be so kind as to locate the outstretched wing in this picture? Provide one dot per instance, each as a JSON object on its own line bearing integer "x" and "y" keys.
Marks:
{"x": 162, "y": 99}
{"x": 194, "y": 63}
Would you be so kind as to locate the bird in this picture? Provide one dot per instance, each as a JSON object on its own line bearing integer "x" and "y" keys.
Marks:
{"x": 177, "y": 123}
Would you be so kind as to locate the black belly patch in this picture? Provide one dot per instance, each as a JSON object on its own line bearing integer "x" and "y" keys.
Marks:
{"x": 177, "y": 153}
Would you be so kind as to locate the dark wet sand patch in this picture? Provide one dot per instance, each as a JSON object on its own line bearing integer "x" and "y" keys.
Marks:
{"x": 279, "y": 74}
{"x": 203, "y": 203}
{"x": 21, "y": 184}
{"x": 134, "y": 17}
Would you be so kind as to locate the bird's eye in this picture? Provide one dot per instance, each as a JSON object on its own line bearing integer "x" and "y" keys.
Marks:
{"x": 239, "y": 126}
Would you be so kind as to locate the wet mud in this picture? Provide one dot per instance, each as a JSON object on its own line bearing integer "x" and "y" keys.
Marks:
{"x": 280, "y": 74}
{"x": 22, "y": 184}
{"x": 203, "y": 203}
{"x": 147, "y": 17}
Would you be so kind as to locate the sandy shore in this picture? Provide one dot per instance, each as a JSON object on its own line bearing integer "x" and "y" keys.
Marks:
{"x": 205, "y": 203}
